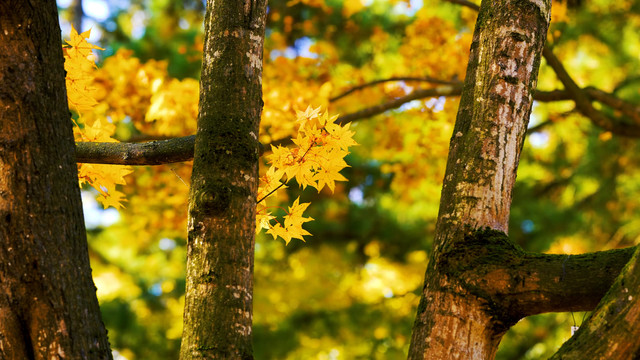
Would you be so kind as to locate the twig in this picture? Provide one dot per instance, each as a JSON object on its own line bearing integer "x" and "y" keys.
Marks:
{"x": 407, "y": 78}
{"x": 449, "y": 90}
{"x": 466, "y": 3}
{"x": 270, "y": 192}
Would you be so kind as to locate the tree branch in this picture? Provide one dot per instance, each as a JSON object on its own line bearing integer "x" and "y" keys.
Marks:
{"x": 583, "y": 102}
{"x": 181, "y": 149}
{"x": 148, "y": 153}
{"x": 450, "y": 90}
{"x": 554, "y": 283}
{"x": 407, "y": 79}
{"x": 524, "y": 284}
{"x": 453, "y": 90}
{"x": 611, "y": 332}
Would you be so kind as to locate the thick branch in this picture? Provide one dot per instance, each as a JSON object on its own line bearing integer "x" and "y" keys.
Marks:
{"x": 524, "y": 284}
{"x": 148, "y": 153}
{"x": 541, "y": 283}
{"x": 612, "y": 330}
{"x": 515, "y": 284}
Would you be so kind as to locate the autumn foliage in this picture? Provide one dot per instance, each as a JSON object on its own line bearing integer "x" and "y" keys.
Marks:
{"x": 316, "y": 161}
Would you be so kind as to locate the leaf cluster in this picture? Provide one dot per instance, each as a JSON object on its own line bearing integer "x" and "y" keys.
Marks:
{"x": 315, "y": 161}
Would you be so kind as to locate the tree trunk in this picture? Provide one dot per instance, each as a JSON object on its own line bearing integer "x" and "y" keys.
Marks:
{"x": 48, "y": 305}
{"x": 222, "y": 201}
{"x": 459, "y": 318}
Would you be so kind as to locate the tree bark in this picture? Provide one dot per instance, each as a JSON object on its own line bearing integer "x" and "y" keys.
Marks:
{"x": 48, "y": 304}
{"x": 222, "y": 201}
{"x": 458, "y": 320}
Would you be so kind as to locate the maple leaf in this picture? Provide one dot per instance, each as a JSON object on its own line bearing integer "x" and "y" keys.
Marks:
{"x": 263, "y": 219}
{"x": 278, "y": 231}
{"x": 270, "y": 184}
{"x": 293, "y": 221}
{"x": 98, "y": 131}
{"x": 309, "y": 114}
{"x": 104, "y": 178}
{"x": 78, "y": 46}
{"x": 329, "y": 174}
{"x": 79, "y": 66}
{"x": 113, "y": 198}
{"x": 340, "y": 136}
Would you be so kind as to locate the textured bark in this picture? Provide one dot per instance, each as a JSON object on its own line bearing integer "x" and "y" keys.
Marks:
{"x": 612, "y": 331}
{"x": 456, "y": 320}
{"x": 222, "y": 201}
{"x": 48, "y": 304}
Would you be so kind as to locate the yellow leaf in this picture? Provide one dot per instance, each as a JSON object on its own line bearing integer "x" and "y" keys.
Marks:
{"x": 113, "y": 198}
{"x": 79, "y": 67}
{"x": 293, "y": 221}
{"x": 263, "y": 219}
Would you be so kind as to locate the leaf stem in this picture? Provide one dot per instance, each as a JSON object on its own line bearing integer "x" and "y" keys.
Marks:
{"x": 270, "y": 192}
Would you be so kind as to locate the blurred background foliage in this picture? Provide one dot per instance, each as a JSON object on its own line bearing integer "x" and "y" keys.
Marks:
{"x": 351, "y": 291}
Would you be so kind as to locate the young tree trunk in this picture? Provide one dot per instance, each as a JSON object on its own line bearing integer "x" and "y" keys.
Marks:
{"x": 48, "y": 304}
{"x": 222, "y": 201}
{"x": 457, "y": 316}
